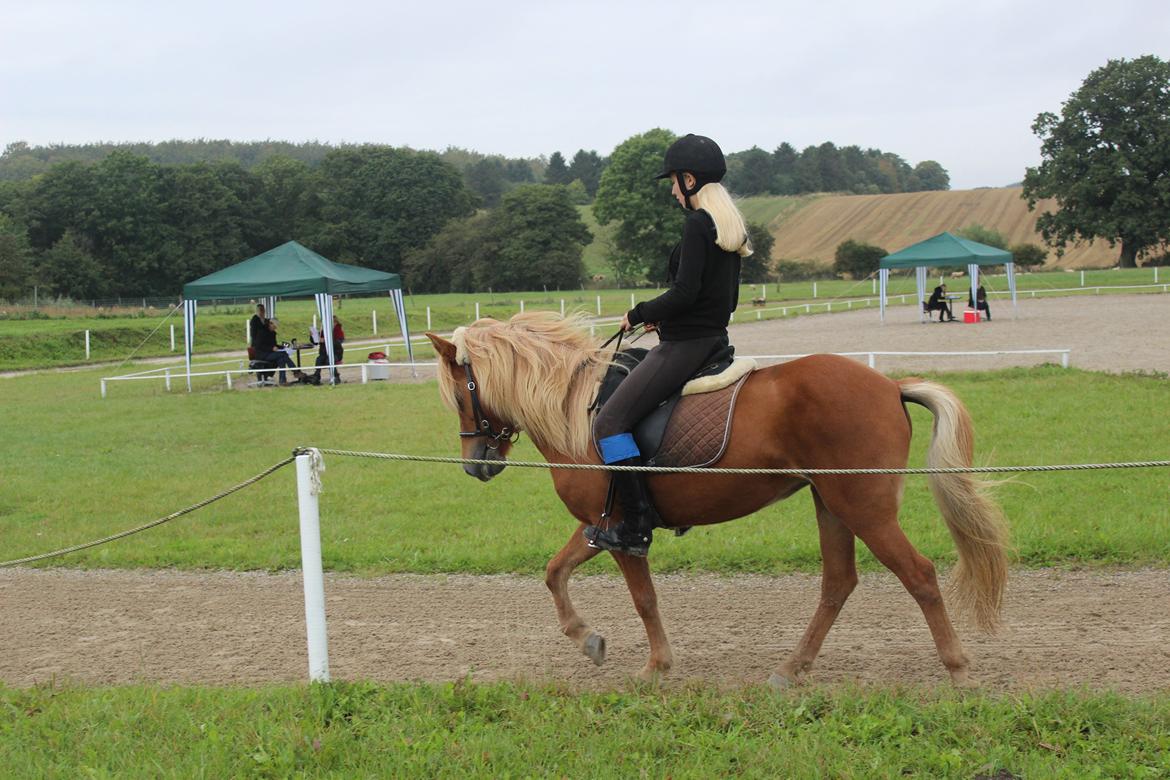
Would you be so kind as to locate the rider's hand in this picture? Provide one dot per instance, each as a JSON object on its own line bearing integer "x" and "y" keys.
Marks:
{"x": 626, "y": 322}
{"x": 650, "y": 326}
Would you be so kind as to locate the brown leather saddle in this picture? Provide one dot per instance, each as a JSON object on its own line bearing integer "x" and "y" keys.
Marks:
{"x": 684, "y": 430}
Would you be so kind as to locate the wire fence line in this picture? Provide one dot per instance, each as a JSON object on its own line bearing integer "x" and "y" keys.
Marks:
{"x": 794, "y": 472}
{"x": 153, "y": 523}
{"x": 391, "y": 456}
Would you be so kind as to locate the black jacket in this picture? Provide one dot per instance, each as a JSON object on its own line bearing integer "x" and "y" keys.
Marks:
{"x": 264, "y": 341}
{"x": 704, "y": 286}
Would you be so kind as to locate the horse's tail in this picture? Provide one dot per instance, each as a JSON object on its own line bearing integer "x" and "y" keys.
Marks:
{"x": 975, "y": 520}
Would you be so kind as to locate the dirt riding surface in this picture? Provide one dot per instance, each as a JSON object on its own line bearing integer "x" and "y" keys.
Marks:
{"x": 1098, "y": 629}
{"x": 1064, "y": 629}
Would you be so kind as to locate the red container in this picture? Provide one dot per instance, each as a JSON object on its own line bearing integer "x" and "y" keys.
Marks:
{"x": 970, "y": 315}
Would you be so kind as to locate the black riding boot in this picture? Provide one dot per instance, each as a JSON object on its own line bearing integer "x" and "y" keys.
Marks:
{"x": 639, "y": 518}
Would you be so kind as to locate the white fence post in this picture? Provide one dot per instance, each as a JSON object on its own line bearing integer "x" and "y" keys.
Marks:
{"x": 521, "y": 305}
{"x": 168, "y": 375}
{"x": 374, "y": 315}
{"x": 1082, "y": 278}
{"x": 477, "y": 310}
{"x": 814, "y": 289}
{"x": 311, "y": 570}
{"x": 632, "y": 304}
{"x": 87, "y": 345}
{"x": 562, "y": 307}
{"x": 103, "y": 388}
{"x": 428, "y": 318}
{"x": 598, "y": 305}
{"x": 172, "y": 340}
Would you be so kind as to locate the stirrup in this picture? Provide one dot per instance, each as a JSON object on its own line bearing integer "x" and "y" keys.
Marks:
{"x": 610, "y": 539}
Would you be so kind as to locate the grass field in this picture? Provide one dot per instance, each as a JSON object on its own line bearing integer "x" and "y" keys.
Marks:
{"x": 506, "y": 730}
{"x": 59, "y": 340}
{"x": 77, "y": 467}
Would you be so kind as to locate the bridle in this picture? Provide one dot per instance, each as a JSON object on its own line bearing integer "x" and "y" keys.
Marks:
{"x": 485, "y": 429}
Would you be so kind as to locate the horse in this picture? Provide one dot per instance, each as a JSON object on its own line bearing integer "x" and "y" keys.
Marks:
{"x": 538, "y": 372}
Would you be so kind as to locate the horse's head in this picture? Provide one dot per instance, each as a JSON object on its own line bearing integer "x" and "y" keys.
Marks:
{"x": 483, "y": 434}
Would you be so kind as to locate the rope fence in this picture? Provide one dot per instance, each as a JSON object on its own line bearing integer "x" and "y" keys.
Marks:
{"x": 392, "y": 456}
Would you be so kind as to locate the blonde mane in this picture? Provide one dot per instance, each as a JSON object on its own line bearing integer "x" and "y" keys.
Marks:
{"x": 538, "y": 371}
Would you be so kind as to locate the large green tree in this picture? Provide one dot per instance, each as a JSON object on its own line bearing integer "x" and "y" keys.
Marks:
{"x": 539, "y": 238}
{"x": 757, "y": 267}
{"x": 649, "y": 221}
{"x": 16, "y": 271}
{"x": 1106, "y": 160}
{"x": 447, "y": 262}
{"x": 377, "y": 203}
{"x": 586, "y": 168}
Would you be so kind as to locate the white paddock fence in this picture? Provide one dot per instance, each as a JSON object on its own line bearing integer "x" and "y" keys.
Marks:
{"x": 369, "y": 371}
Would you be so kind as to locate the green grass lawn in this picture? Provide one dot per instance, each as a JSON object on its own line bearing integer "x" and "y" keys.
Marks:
{"x": 77, "y": 467}
{"x": 507, "y": 730}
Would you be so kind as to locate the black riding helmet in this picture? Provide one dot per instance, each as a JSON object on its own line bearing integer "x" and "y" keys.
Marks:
{"x": 697, "y": 155}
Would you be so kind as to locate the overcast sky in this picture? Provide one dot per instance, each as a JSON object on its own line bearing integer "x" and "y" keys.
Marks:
{"x": 956, "y": 82}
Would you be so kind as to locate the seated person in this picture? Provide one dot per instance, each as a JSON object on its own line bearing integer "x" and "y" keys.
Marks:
{"x": 338, "y": 353}
{"x": 264, "y": 346}
{"x": 938, "y": 302}
{"x": 981, "y": 300}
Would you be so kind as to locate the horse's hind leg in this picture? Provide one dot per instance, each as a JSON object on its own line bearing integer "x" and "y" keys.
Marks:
{"x": 556, "y": 576}
{"x": 636, "y": 570}
{"x": 917, "y": 574}
{"x": 838, "y": 579}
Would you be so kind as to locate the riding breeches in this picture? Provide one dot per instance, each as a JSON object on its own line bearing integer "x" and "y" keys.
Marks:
{"x": 665, "y": 369}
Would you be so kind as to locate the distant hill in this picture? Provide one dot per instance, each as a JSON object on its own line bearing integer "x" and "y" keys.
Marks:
{"x": 814, "y": 229}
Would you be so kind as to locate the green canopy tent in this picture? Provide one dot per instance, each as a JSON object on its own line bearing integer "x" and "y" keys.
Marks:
{"x": 945, "y": 249}
{"x": 291, "y": 270}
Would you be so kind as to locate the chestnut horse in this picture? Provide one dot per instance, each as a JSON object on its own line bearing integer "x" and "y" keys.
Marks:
{"x": 538, "y": 372}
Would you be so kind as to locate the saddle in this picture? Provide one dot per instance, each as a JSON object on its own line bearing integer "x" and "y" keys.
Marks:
{"x": 691, "y": 428}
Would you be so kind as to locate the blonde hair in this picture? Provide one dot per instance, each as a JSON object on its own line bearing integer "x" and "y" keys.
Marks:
{"x": 730, "y": 229}
{"x": 538, "y": 371}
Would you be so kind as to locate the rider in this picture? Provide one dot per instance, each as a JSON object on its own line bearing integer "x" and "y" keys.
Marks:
{"x": 691, "y": 319}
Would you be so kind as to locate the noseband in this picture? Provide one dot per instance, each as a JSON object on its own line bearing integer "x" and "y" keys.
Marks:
{"x": 485, "y": 429}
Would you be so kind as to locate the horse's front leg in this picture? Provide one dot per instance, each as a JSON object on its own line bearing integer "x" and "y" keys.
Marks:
{"x": 556, "y": 576}
{"x": 636, "y": 570}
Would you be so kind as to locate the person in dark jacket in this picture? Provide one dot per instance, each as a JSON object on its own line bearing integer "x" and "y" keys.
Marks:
{"x": 691, "y": 319}
{"x": 938, "y": 302}
{"x": 257, "y": 325}
{"x": 980, "y": 302}
{"x": 264, "y": 346}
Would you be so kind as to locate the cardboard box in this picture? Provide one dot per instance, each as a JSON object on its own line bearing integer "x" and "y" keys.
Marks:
{"x": 971, "y": 315}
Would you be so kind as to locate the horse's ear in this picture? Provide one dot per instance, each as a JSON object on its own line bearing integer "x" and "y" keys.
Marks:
{"x": 444, "y": 349}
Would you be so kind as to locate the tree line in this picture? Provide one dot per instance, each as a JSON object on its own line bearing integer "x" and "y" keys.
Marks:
{"x": 829, "y": 168}
{"x": 141, "y": 219}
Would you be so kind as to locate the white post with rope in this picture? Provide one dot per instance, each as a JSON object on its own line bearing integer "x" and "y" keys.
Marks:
{"x": 308, "y": 486}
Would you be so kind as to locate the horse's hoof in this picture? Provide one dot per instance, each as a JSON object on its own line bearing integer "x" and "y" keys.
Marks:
{"x": 651, "y": 675}
{"x": 965, "y": 682}
{"x": 780, "y": 682}
{"x": 594, "y": 647}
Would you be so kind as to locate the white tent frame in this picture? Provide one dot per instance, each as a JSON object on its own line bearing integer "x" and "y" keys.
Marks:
{"x": 324, "y": 310}
{"x": 920, "y": 273}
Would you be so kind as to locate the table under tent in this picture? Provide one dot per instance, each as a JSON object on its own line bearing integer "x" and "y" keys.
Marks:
{"x": 291, "y": 271}
{"x": 941, "y": 251}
